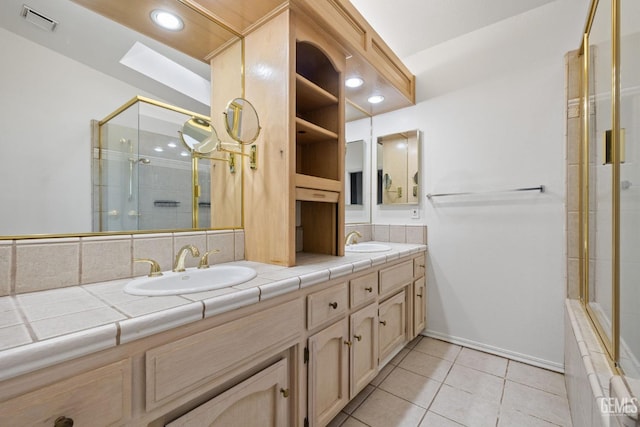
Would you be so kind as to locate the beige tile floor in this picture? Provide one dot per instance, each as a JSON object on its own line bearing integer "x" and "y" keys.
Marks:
{"x": 432, "y": 383}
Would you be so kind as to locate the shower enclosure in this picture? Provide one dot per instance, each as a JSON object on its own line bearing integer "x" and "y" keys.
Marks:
{"x": 145, "y": 177}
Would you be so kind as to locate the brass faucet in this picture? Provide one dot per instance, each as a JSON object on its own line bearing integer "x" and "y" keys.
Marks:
{"x": 351, "y": 239}
{"x": 204, "y": 261}
{"x": 155, "y": 267}
{"x": 178, "y": 265}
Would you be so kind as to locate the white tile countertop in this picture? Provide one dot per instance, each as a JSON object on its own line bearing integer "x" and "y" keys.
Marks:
{"x": 40, "y": 329}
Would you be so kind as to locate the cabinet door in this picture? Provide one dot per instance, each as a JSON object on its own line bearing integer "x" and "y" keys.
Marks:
{"x": 328, "y": 373}
{"x": 419, "y": 305}
{"x": 363, "y": 360}
{"x": 259, "y": 401}
{"x": 392, "y": 322}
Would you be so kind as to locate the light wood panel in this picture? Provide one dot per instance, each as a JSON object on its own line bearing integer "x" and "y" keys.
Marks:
{"x": 327, "y": 305}
{"x": 395, "y": 277}
{"x": 226, "y": 187}
{"x": 256, "y": 402}
{"x": 328, "y": 373}
{"x": 363, "y": 359}
{"x": 268, "y": 203}
{"x": 363, "y": 289}
{"x": 81, "y": 398}
{"x": 419, "y": 306}
{"x": 392, "y": 319}
{"x": 183, "y": 365}
{"x": 200, "y": 36}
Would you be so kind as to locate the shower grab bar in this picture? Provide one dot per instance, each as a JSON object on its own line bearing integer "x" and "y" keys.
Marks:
{"x": 539, "y": 188}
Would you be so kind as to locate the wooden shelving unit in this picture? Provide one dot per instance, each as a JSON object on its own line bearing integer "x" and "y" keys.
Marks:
{"x": 319, "y": 158}
{"x": 298, "y": 187}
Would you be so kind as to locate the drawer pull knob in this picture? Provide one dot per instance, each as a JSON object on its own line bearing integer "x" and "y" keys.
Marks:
{"x": 369, "y": 289}
{"x": 285, "y": 392}
{"x": 358, "y": 337}
{"x": 383, "y": 322}
{"x": 348, "y": 343}
{"x": 63, "y": 422}
{"x": 333, "y": 305}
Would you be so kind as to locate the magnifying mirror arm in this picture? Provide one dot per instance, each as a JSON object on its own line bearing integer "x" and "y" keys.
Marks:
{"x": 252, "y": 155}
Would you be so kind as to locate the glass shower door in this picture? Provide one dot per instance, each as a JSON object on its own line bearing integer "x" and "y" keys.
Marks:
{"x": 600, "y": 288}
{"x": 629, "y": 355}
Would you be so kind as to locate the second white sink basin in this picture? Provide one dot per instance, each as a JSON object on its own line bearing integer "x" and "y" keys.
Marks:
{"x": 367, "y": 247}
{"x": 190, "y": 281}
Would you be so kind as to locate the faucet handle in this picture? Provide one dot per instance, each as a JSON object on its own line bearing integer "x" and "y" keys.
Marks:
{"x": 155, "y": 267}
{"x": 204, "y": 261}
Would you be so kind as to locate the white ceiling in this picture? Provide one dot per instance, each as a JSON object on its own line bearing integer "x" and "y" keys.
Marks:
{"x": 411, "y": 26}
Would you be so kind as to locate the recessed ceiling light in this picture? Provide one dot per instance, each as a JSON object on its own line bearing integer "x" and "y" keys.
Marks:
{"x": 167, "y": 20}
{"x": 184, "y": 154}
{"x": 158, "y": 149}
{"x": 172, "y": 145}
{"x": 354, "y": 82}
{"x": 375, "y": 99}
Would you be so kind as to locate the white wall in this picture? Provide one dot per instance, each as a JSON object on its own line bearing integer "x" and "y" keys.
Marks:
{"x": 491, "y": 105}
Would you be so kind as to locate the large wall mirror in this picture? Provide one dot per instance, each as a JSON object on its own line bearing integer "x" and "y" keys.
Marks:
{"x": 65, "y": 66}
{"x": 358, "y": 171}
{"x": 398, "y": 168}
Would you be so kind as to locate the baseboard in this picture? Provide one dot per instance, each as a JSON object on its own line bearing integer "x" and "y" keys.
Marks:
{"x": 530, "y": 360}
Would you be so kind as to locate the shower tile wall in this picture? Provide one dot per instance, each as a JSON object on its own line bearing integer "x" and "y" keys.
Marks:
{"x": 160, "y": 196}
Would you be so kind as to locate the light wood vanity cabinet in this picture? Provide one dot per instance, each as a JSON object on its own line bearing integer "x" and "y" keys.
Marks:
{"x": 304, "y": 354}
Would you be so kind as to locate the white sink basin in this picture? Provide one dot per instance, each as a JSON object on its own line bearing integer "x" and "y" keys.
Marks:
{"x": 191, "y": 280}
{"x": 367, "y": 247}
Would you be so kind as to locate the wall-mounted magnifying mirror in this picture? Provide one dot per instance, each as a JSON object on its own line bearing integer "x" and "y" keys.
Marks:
{"x": 241, "y": 121}
{"x": 398, "y": 168}
{"x": 199, "y": 136}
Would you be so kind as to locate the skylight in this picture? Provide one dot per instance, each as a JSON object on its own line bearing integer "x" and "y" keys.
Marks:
{"x": 158, "y": 67}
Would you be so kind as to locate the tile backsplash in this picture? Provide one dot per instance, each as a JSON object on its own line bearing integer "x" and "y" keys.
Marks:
{"x": 31, "y": 265}
{"x": 390, "y": 233}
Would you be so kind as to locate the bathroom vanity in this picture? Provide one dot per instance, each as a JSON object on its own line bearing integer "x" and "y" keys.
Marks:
{"x": 295, "y": 354}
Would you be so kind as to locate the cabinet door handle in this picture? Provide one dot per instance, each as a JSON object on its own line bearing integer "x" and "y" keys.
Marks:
{"x": 63, "y": 422}
{"x": 419, "y": 295}
{"x": 421, "y": 265}
{"x": 285, "y": 392}
{"x": 348, "y": 343}
{"x": 383, "y": 322}
{"x": 358, "y": 337}
{"x": 369, "y": 289}
{"x": 333, "y": 305}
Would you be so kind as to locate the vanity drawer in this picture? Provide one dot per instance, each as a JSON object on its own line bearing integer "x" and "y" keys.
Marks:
{"x": 419, "y": 266}
{"x": 395, "y": 277}
{"x": 364, "y": 289}
{"x": 184, "y": 366}
{"x": 101, "y": 397}
{"x": 307, "y": 194}
{"x": 326, "y": 305}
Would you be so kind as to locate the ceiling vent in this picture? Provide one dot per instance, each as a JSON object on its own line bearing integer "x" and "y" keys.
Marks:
{"x": 38, "y": 19}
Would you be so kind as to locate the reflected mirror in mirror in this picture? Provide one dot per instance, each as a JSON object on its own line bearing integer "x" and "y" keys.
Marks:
{"x": 398, "y": 168}
{"x": 198, "y": 135}
{"x": 241, "y": 121}
{"x": 58, "y": 81}
{"x": 354, "y": 168}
